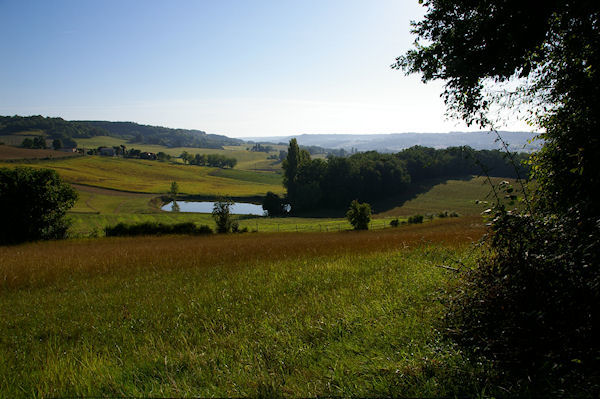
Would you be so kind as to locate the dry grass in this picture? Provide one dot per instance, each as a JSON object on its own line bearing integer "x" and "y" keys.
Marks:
{"x": 45, "y": 263}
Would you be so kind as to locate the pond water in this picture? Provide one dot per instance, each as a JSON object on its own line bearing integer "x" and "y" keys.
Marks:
{"x": 238, "y": 208}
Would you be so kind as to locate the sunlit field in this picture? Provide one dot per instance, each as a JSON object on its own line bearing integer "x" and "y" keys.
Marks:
{"x": 306, "y": 314}
{"x": 144, "y": 176}
{"x": 247, "y": 160}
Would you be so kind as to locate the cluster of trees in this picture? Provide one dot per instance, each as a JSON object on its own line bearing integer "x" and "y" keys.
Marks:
{"x": 145, "y": 134}
{"x": 54, "y": 127}
{"x": 36, "y": 142}
{"x": 368, "y": 176}
{"x": 530, "y": 307}
{"x": 258, "y": 147}
{"x": 212, "y": 160}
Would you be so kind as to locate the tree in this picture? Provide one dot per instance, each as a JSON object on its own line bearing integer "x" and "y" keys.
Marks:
{"x": 27, "y": 143}
{"x": 551, "y": 51}
{"x": 39, "y": 142}
{"x": 294, "y": 160}
{"x": 531, "y": 304}
{"x": 33, "y": 205}
{"x": 221, "y": 214}
{"x": 359, "y": 215}
{"x": 57, "y": 144}
{"x": 174, "y": 190}
{"x": 273, "y": 205}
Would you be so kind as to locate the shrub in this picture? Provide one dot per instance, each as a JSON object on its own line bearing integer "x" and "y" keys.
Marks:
{"x": 273, "y": 204}
{"x": 359, "y": 215}
{"x": 222, "y": 215}
{"x": 154, "y": 228}
{"x": 531, "y": 304}
{"x": 415, "y": 219}
{"x": 33, "y": 205}
{"x": 394, "y": 223}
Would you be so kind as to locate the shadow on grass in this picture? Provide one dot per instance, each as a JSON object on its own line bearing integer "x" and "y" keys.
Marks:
{"x": 412, "y": 192}
{"x": 389, "y": 203}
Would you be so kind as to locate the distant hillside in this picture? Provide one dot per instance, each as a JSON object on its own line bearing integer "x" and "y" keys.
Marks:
{"x": 146, "y": 134}
{"x": 69, "y": 131}
{"x": 398, "y": 141}
{"x": 53, "y": 128}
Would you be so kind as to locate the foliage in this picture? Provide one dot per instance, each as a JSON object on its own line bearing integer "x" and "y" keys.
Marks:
{"x": 37, "y": 142}
{"x": 57, "y": 144}
{"x": 174, "y": 190}
{"x": 56, "y": 128}
{"x": 415, "y": 219}
{"x": 530, "y": 305}
{"x": 145, "y": 134}
{"x": 273, "y": 204}
{"x": 212, "y": 160}
{"x": 33, "y": 204}
{"x": 154, "y": 228}
{"x": 222, "y": 216}
{"x": 369, "y": 176}
{"x": 359, "y": 215}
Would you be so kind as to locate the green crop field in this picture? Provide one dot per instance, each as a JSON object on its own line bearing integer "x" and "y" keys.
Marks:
{"x": 329, "y": 314}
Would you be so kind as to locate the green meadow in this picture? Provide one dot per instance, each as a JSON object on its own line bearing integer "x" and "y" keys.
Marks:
{"x": 298, "y": 315}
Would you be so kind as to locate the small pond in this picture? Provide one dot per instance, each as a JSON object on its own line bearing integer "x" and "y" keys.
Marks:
{"x": 238, "y": 208}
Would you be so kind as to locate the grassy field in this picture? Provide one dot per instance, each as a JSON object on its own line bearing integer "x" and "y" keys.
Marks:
{"x": 247, "y": 160}
{"x": 330, "y": 314}
{"x": 8, "y": 152}
{"x": 98, "y": 208}
{"x": 143, "y": 176}
{"x": 433, "y": 196}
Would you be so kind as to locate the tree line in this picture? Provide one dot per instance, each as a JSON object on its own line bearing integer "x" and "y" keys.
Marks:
{"x": 367, "y": 176}
{"x": 212, "y": 160}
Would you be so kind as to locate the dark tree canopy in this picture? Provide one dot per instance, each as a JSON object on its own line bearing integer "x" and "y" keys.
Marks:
{"x": 33, "y": 204}
{"x": 553, "y": 47}
{"x": 531, "y": 305}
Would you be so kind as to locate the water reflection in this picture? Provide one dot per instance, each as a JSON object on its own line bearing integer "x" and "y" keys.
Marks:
{"x": 238, "y": 208}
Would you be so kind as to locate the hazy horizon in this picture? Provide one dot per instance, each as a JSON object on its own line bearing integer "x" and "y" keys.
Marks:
{"x": 233, "y": 68}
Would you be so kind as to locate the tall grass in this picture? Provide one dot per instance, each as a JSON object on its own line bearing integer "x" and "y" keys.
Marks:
{"x": 296, "y": 315}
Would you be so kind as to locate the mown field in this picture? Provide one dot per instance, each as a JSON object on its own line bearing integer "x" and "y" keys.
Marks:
{"x": 330, "y": 314}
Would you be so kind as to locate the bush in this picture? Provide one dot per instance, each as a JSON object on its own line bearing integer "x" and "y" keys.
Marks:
{"x": 416, "y": 219}
{"x": 33, "y": 205}
{"x": 394, "y": 223}
{"x": 359, "y": 215}
{"x": 154, "y": 228}
{"x": 532, "y": 303}
{"x": 222, "y": 215}
{"x": 273, "y": 204}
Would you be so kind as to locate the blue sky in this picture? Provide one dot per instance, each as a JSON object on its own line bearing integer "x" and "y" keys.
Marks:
{"x": 240, "y": 68}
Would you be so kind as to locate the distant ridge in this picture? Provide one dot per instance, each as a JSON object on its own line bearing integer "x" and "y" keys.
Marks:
{"x": 518, "y": 141}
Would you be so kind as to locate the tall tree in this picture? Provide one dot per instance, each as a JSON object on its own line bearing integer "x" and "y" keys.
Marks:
{"x": 531, "y": 305}
{"x": 291, "y": 165}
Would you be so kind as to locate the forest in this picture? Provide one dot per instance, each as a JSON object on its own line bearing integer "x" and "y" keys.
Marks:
{"x": 367, "y": 176}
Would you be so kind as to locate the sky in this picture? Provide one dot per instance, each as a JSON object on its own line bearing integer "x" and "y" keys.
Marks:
{"x": 242, "y": 68}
